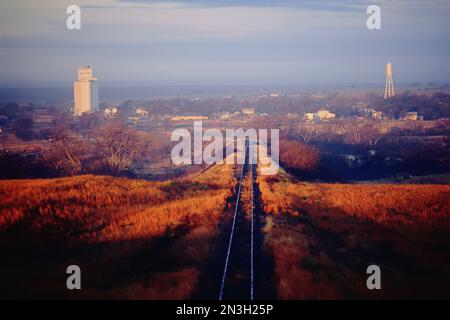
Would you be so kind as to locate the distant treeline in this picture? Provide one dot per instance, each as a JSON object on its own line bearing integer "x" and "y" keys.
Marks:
{"x": 345, "y": 104}
{"x": 432, "y": 107}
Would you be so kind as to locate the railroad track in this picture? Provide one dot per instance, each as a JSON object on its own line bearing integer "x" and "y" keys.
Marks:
{"x": 238, "y": 277}
{"x": 240, "y": 268}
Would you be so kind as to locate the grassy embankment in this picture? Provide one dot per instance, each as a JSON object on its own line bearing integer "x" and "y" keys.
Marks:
{"x": 131, "y": 238}
{"x": 323, "y": 236}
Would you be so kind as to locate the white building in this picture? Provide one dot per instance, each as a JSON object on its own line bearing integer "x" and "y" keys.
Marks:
{"x": 85, "y": 92}
{"x": 309, "y": 116}
{"x": 142, "y": 112}
{"x": 412, "y": 116}
{"x": 248, "y": 111}
{"x": 110, "y": 112}
{"x": 323, "y": 114}
{"x": 188, "y": 118}
{"x": 374, "y": 114}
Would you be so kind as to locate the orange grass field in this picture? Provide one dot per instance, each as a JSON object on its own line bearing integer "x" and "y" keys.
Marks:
{"x": 323, "y": 236}
{"x": 131, "y": 238}
{"x": 152, "y": 240}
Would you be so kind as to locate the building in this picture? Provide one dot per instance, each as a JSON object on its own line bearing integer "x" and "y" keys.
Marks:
{"x": 412, "y": 116}
{"x": 377, "y": 115}
{"x": 225, "y": 116}
{"x": 188, "y": 118}
{"x": 85, "y": 92}
{"x": 142, "y": 112}
{"x": 389, "y": 89}
{"x": 371, "y": 113}
{"x": 323, "y": 114}
{"x": 309, "y": 116}
{"x": 248, "y": 111}
{"x": 110, "y": 112}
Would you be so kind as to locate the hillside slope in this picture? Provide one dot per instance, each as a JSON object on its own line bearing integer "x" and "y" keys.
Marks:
{"x": 323, "y": 237}
{"x": 131, "y": 238}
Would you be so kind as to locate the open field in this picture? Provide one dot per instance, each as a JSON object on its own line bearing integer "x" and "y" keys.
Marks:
{"x": 131, "y": 238}
{"x": 322, "y": 238}
{"x": 156, "y": 240}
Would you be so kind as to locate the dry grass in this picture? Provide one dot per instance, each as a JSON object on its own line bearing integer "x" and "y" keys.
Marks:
{"x": 157, "y": 232}
{"x": 246, "y": 195}
{"x": 323, "y": 236}
{"x": 396, "y": 204}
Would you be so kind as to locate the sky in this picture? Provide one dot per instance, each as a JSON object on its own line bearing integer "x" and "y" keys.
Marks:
{"x": 199, "y": 42}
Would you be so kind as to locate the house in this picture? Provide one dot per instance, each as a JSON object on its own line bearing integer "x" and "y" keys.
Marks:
{"x": 309, "y": 116}
{"x": 188, "y": 118}
{"x": 412, "y": 116}
{"x": 323, "y": 114}
{"x": 248, "y": 111}
{"x": 378, "y": 115}
{"x": 142, "y": 112}
{"x": 110, "y": 112}
{"x": 225, "y": 116}
{"x": 372, "y": 113}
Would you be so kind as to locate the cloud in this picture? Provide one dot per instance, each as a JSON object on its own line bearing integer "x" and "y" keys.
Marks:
{"x": 260, "y": 40}
{"x": 119, "y": 22}
{"x": 323, "y": 5}
{"x": 139, "y": 22}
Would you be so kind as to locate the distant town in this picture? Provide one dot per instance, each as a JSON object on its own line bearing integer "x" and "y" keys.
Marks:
{"x": 353, "y": 131}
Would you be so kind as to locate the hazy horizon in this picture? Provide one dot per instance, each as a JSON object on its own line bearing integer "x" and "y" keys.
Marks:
{"x": 41, "y": 94}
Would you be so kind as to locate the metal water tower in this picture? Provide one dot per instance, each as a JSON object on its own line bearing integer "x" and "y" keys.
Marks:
{"x": 389, "y": 90}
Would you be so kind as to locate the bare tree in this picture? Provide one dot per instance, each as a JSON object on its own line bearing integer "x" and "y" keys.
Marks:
{"x": 355, "y": 131}
{"x": 68, "y": 152}
{"x": 307, "y": 132}
{"x": 333, "y": 132}
{"x": 118, "y": 147}
{"x": 413, "y": 128}
{"x": 372, "y": 134}
{"x": 394, "y": 135}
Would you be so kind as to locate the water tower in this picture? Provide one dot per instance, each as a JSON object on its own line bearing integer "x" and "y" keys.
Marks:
{"x": 389, "y": 90}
